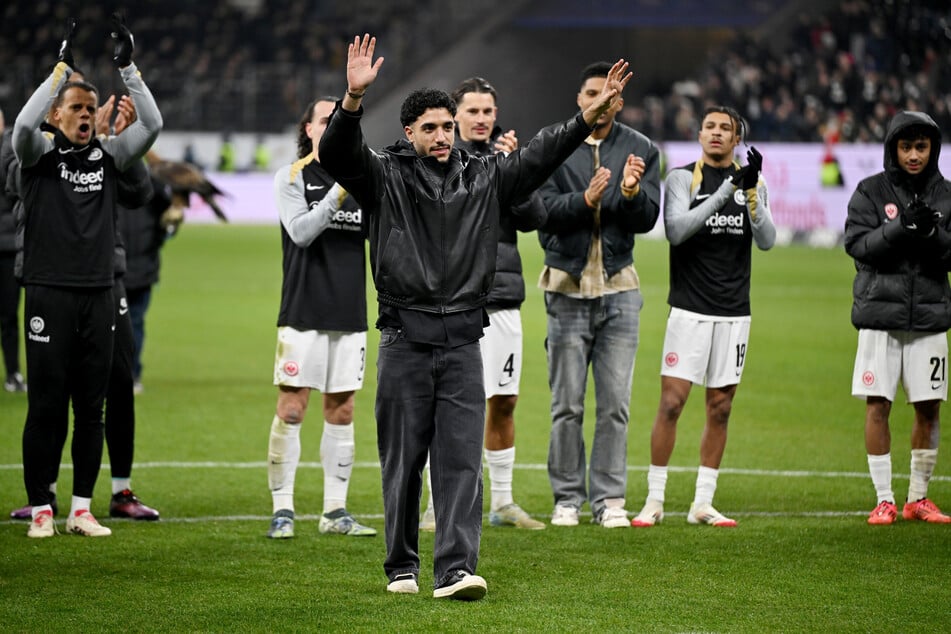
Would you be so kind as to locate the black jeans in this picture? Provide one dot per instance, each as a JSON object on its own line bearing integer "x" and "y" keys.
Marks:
{"x": 430, "y": 400}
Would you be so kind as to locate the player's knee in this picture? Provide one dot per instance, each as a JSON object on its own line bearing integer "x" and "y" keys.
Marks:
{"x": 671, "y": 406}
{"x": 719, "y": 410}
{"x": 503, "y": 405}
{"x": 292, "y": 414}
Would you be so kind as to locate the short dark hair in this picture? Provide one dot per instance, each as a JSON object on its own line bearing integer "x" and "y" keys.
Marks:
{"x": 421, "y": 100}
{"x": 82, "y": 85}
{"x": 476, "y": 85}
{"x": 739, "y": 123}
{"x": 597, "y": 69}
{"x": 304, "y": 145}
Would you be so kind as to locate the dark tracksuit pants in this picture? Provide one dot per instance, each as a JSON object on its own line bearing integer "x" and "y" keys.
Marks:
{"x": 9, "y": 323}
{"x": 430, "y": 399}
{"x": 120, "y": 403}
{"x": 69, "y": 339}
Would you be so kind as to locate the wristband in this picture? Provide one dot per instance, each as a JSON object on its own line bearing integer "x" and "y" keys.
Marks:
{"x": 354, "y": 95}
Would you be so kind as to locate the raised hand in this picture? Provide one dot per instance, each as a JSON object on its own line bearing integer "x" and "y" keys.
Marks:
{"x": 597, "y": 185}
{"x": 361, "y": 69}
{"x": 66, "y": 47}
{"x": 124, "y": 42}
{"x": 610, "y": 93}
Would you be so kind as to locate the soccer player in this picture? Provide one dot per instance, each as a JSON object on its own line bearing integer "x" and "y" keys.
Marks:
{"x": 604, "y": 194}
{"x": 713, "y": 212}
{"x": 501, "y": 346}
{"x": 68, "y": 184}
{"x": 322, "y": 329}
{"x": 898, "y": 230}
{"x": 434, "y": 216}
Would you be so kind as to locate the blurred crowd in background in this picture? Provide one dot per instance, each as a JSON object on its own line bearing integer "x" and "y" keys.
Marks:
{"x": 251, "y": 65}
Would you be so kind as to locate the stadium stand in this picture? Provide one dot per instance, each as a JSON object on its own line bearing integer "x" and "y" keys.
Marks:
{"x": 249, "y": 65}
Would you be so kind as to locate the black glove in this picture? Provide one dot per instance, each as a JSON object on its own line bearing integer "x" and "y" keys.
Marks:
{"x": 748, "y": 175}
{"x": 66, "y": 48}
{"x": 919, "y": 218}
{"x": 124, "y": 42}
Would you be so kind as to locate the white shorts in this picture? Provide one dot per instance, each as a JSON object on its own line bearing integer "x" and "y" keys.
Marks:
{"x": 502, "y": 352}
{"x": 705, "y": 350}
{"x": 917, "y": 359}
{"x": 330, "y": 361}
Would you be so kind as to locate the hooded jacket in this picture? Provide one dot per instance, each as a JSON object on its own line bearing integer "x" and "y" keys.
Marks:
{"x": 433, "y": 227}
{"x": 508, "y": 289}
{"x": 901, "y": 280}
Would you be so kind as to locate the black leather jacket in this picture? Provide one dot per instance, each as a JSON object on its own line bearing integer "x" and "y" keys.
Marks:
{"x": 901, "y": 280}
{"x": 433, "y": 228}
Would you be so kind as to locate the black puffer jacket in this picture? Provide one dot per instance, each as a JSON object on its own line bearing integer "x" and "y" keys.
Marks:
{"x": 434, "y": 227}
{"x": 901, "y": 280}
{"x": 508, "y": 289}
{"x": 8, "y": 165}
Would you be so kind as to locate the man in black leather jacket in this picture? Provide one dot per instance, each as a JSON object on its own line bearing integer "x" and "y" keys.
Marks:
{"x": 434, "y": 221}
{"x": 899, "y": 234}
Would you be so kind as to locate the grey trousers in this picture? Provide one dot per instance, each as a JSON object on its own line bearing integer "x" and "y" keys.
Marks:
{"x": 430, "y": 399}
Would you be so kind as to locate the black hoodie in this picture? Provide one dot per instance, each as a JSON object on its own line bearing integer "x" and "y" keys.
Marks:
{"x": 901, "y": 280}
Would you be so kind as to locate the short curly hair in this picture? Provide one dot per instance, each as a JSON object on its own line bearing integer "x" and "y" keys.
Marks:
{"x": 421, "y": 100}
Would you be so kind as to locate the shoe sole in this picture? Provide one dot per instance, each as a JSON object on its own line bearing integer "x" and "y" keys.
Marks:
{"x": 469, "y": 591}
{"x": 719, "y": 524}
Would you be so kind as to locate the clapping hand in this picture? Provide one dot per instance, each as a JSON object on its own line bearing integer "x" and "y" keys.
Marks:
{"x": 124, "y": 42}
{"x": 748, "y": 176}
{"x": 919, "y": 218}
{"x": 66, "y": 47}
{"x": 506, "y": 143}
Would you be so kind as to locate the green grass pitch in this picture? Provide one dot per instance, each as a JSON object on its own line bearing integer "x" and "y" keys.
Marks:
{"x": 794, "y": 476}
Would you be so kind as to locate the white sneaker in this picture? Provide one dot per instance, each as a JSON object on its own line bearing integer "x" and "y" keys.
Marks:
{"x": 706, "y": 514}
{"x": 462, "y": 586}
{"x": 42, "y": 525}
{"x": 652, "y": 513}
{"x": 614, "y": 517}
{"x": 83, "y": 523}
{"x": 564, "y": 515}
{"x": 428, "y": 521}
{"x": 403, "y": 584}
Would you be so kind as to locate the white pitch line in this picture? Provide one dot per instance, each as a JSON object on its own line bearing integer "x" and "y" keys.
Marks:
{"x": 525, "y": 467}
{"x": 264, "y": 519}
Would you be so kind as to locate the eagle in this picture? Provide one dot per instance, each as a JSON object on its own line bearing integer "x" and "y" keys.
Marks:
{"x": 183, "y": 179}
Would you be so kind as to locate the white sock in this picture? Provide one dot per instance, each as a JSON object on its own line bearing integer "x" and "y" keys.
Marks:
{"x": 706, "y": 485}
{"x": 922, "y": 466}
{"x": 880, "y": 468}
{"x": 283, "y": 456}
{"x": 36, "y": 510}
{"x": 429, "y": 484}
{"x": 336, "y": 455}
{"x": 79, "y": 505}
{"x": 501, "y": 463}
{"x": 121, "y": 484}
{"x": 656, "y": 482}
